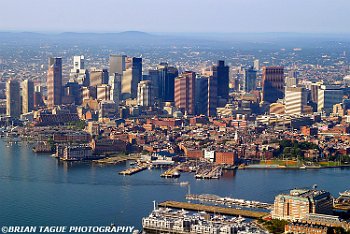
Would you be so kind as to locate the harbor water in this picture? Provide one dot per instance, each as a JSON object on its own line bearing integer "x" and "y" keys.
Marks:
{"x": 36, "y": 189}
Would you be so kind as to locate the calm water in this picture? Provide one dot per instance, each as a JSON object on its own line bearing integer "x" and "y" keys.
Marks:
{"x": 38, "y": 190}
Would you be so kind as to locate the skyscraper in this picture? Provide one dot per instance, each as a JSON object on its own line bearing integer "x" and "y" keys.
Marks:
{"x": 13, "y": 99}
{"x": 144, "y": 93}
{"x": 272, "y": 83}
{"x": 115, "y": 83}
{"x": 78, "y": 62}
{"x": 249, "y": 83}
{"x": 329, "y": 95}
{"x": 167, "y": 77}
{"x": 103, "y": 92}
{"x": 221, "y": 74}
{"x": 131, "y": 77}
{"x": 54, "y": 82}
{"x": 256, "y": 65}
{"x": 117, "y": 63}
{"x": 295, "y": 100}
{"x": 185, "y": 92}
{"x": 98, "y": 77}
{"x": 27, "y": 96}
{"x": 206, "y": 96}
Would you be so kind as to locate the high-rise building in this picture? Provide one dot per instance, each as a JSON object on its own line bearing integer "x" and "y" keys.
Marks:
{"x": 72, "y": 93}
{"x": 256, "y": 65}
{"x": 79, "y": 62}
{"x": 98, "y": 77}
{"x": 115, "y": 83}
{"x": 27, "y": 96}
{"x": 185, "y": 92}
{"x": 153, "y": 76}
{"x": 131, "y": 77}
{"x": 299, "y": 203}
{"x": 221, "y": 74}
{"x": 167, "y": 77}
{"x": 329, "y": 95}
{"x": 295, "y": 100}
{"x": 249, "y": 83}
{"x": 107, "y": 109}
{"x": 103, "y": 92}
{"x": 272, "y": 83}
{"x": 79, "y": 74}
{"x": 291, "y": 81}
{"x": 54, "y": 82}
{"x": 117, "y": 63}
{"x": 206, "y": 96}
{"x": 144, "y": 93}
{"x": 13, "y": 99}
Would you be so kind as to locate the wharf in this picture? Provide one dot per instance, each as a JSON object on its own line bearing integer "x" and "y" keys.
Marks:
{"x": 171, "y": 173}
{"x": 209, "y": 173}
{"x": 214, "y": 209}
{"x": 116, "y": 159}
{"x": 228, "y": 201}
{"x": 133, "y": 170}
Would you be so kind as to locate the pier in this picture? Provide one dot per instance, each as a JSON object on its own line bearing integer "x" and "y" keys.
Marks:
{"x": 214, "y": 209}
{"x": 209, "y": 173}
{"x": 228, "y": 201}
{"x": 133, "y": 170}
{"x": 114, "y": 160}
{"x": 171, "y": 173}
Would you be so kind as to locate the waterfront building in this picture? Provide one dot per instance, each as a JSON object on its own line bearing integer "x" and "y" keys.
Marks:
{"x": 131, "y": 77}
{"x": 27, "y": 96}
{"x": 299, "y": 203}
{"x": 185, "y": 92}
{"x": 221, "y": 74}
{"x": 74, "y": 153}
{"x": 54, "y": 82}
{"x": 145, "y": 93}
{"x": 117, "y": 63}
{"x": 13, "y": 98}
{"x": 295, "y": 100}
{"x": 329, "y": 95}
{"x": 272, "y": 83}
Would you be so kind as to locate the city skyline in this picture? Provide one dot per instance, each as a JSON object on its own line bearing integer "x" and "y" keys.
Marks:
{"x": 235, "y": 16}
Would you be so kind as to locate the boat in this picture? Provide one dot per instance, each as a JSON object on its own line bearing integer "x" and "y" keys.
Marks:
{"x": 346, "y": 193}
{"x": 184, "y": 183}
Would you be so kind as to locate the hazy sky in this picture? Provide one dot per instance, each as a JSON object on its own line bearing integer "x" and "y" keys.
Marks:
{"x": 326, "y": 16}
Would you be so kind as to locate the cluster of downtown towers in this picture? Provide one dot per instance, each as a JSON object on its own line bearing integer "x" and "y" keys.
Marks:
{"x": 189, "y": 92}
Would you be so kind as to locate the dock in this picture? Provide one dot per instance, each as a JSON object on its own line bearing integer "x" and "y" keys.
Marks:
{"x": 209, "y": 173}
{"x": 171, "y": 173}
{"x": 229, "y": 201}
{"x": 116, "y": 159}
{"x": 214, "y": 209}
{"x": 133, "y": 170}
